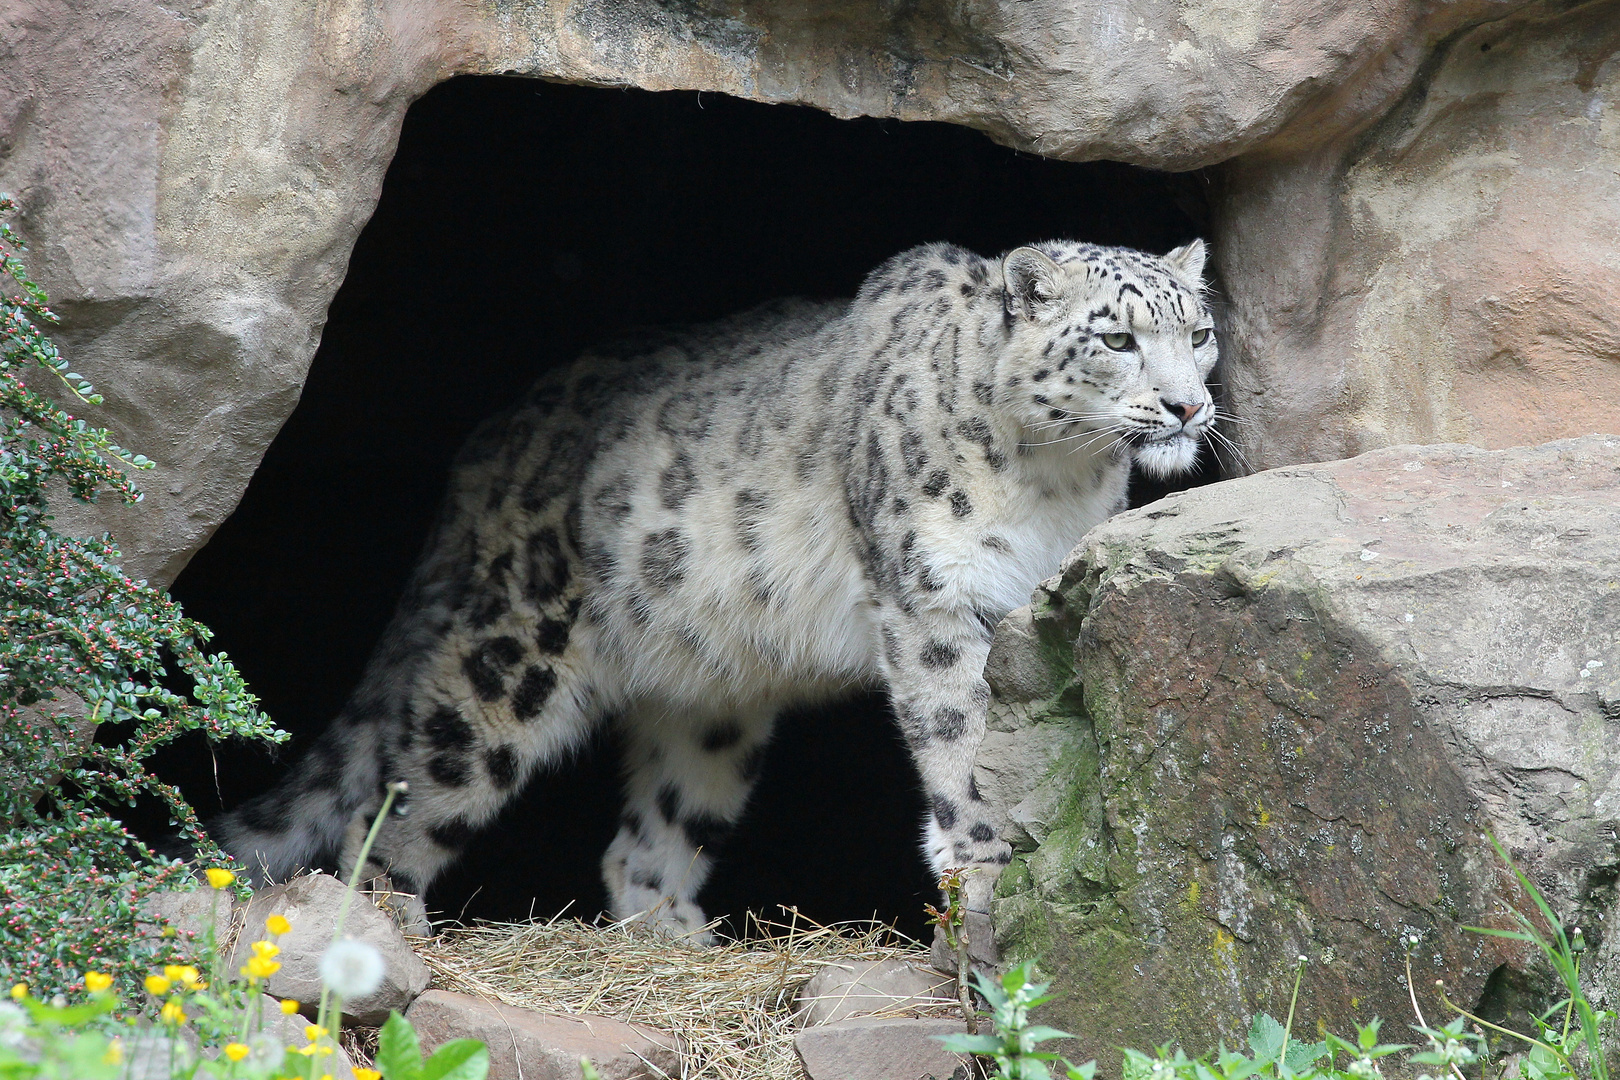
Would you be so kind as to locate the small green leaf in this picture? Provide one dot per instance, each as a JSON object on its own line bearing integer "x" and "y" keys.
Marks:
{"x": 458, "y": 1059}
{"x": 1040, "y": 1034}
{"x": 399, "y": 1054}
{"x": 1301, "y": 1055}
{"x": 1033, "y": 1069}
{"x": 969, "y": 1044}
{"x": 1266, "y": 1037}
{"x": 1511, "y": 935}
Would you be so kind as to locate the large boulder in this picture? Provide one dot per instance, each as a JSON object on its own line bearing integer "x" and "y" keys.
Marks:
{"x": 1276, "y": 717}
{"x": 194, "y": 177}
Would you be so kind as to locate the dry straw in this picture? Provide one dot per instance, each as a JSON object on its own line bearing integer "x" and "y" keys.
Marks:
{"x": 731, "y": 1004}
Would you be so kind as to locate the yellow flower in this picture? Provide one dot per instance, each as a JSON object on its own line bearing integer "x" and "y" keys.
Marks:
{"x": 114, "y": 1054}
{"x": 312, "y": 1050}
{"x": 288, "y": 1006}
{"x": 220, "y": 878}
{"x": 267, "y": 949}
{"x": 172, "y": 1013}
{"x": 157, "y": 985}
{"x": 314, "y": 1031}
{"x": 168, "y": 931}
{"x": 277, "y": 924}
{"x": 185, "y": 974}
{"x": 260, "y": 967}
{"x": 19, "y": 991}
{"x": 326, "y": 1076}
{"x": 96, "y": 982}
{"x": 236, "y": 1051}
{"x": 366, "y": 1074}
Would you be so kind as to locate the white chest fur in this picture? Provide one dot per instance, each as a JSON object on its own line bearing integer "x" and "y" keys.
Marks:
{"x": 1020, "y": 530}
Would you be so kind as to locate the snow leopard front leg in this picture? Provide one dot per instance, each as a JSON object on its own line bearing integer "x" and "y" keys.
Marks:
{"x": 934, "y": 665}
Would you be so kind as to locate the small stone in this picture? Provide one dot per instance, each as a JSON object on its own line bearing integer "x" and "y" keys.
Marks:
{"x": 191, "y": 913}
{"x": 876, "y": 987}
{"x": 155, "y": 1053}
{"x": 869, "y": 1048}
{"x": 288, "y": 1031}
{"x": 983, "y": 956}
{"x": 1015, "y": 669}
{"x": 535, "y": 1045}
{"x": 311, "y": 905}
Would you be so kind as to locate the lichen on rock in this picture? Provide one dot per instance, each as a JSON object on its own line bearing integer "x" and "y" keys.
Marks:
{"x": 1291, "y": 708}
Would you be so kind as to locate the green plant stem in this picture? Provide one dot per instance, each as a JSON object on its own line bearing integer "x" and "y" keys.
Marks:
{"x": 963, "y": 994}
{"x": 1569, "y": 1009}
{"x": 1288, "y": 1027}
{"x": 1454, "y": 1007}
{"x": 1411, "y": 992}
{"x": 255, "y": 1008}
{"x": 323, "y": 1015}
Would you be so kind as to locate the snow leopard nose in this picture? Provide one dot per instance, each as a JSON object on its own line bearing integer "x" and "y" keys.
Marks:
{"x": 1185, "y": 410}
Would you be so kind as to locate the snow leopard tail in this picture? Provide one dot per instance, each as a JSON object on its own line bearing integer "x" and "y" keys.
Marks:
{"x": 301, "y": 823}
{"x": 304, "y": 822}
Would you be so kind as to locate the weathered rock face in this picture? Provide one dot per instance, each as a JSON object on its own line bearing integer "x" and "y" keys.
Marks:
{"x": 1450, "y": 276}
{"x": 194, "y": 177}
{"x": 1281, "y": 712}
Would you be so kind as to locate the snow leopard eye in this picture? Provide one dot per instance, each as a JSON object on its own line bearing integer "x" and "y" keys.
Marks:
{"x": 1119, "y": 342}
{"x": 1200, "y": 338}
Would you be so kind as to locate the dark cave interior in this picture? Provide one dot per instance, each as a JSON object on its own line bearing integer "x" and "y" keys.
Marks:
{"x": 520, "y": 221}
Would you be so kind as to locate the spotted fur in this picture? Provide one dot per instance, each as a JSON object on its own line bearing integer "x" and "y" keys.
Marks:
{"x": 686, "y": 533}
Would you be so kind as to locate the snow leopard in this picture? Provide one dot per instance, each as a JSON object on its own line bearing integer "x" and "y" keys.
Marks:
{"x": 689, "y": 530}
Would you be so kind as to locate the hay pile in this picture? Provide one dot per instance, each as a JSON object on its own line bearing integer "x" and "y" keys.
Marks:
{"x": 731, "y": 1004}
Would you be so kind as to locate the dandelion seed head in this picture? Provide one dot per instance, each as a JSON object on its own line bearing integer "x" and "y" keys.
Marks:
{"x": 352, "y": 969}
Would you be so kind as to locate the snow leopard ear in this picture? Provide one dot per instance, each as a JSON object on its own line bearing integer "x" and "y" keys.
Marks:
{"x": 1189, "y": 260}
{"x": 1034, "y": 282}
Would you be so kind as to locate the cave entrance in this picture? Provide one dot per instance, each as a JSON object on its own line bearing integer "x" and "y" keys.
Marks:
{"x": 519, "y": 222}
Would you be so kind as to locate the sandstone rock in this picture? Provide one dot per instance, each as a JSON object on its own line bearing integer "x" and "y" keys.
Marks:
{"x": 1290, "y": 706}
{"x": 311, "y": 905}
{"x": 278, "y": 1031}
{"x": 194, "y": 194}
{"x": 543, "y": 1046}
{"x": 868, "y": 988}
{"x": 153, "y": 1053}
{"x": 1449, "y": 276}
{"x": 982, "y": 955}
{"x": 879, "y": 1049}
{"x": 192, "y": 914}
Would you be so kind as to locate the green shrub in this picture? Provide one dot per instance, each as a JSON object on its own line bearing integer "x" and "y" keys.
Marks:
{"x": 75, "y": 630}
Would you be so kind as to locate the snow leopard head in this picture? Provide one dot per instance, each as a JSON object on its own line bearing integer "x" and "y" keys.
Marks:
{"x": 1109, "y": 347}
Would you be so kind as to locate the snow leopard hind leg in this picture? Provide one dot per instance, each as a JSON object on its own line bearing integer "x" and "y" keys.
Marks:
{"x": 464, "y": 761}
{"x": 688, "y": 775}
